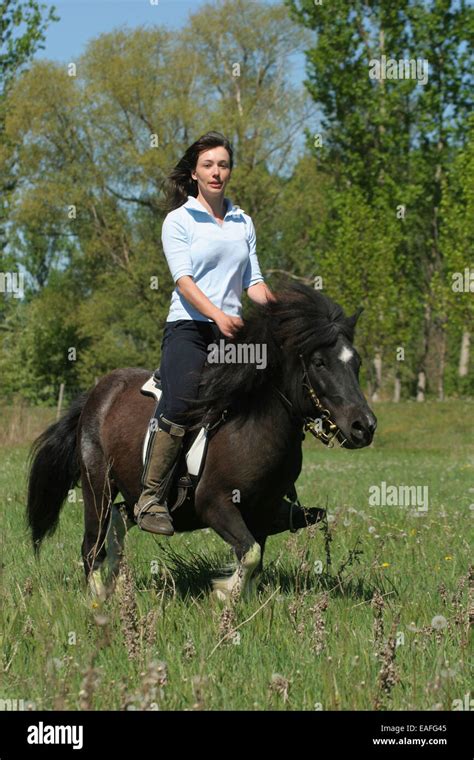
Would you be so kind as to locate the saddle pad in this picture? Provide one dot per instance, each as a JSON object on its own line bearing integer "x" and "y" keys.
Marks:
{"x": 196, "y": 454}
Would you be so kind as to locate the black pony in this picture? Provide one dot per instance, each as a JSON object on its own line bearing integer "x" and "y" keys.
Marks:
{"x": 309, "y": 380}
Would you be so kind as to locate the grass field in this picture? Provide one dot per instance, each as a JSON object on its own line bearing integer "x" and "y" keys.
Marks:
{"x": 371, "y": 612}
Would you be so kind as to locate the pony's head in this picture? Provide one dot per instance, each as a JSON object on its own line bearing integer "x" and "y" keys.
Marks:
{"x": 323, "y": 367}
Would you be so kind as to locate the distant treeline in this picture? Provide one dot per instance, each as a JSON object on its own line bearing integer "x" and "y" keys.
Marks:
{"x": 361, "y": 183}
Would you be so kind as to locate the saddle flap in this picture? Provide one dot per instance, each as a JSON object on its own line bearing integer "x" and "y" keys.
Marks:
{"x": 152, "y": 387}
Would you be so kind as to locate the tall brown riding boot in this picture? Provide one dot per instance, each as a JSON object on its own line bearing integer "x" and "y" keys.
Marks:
{"x": 151, "y": 512}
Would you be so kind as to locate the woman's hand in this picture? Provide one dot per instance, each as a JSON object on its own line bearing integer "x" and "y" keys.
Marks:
{"x": 228, "y": 325}
{"x": 193, "y": 294}
{"x": 260, "y": 293}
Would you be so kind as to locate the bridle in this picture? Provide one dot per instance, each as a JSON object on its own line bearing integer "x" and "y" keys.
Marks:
{"x": 327, "y": 435}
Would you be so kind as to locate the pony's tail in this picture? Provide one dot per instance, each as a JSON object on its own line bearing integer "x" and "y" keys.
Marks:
{"x": 54, "y": 470}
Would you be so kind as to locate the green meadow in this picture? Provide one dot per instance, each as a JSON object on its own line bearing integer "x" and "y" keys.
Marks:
{"x": 368, "y": 610}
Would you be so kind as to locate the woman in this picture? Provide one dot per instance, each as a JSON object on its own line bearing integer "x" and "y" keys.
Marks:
{"x": 209, "y": 245}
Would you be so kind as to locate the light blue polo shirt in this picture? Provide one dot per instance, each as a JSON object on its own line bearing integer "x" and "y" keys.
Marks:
{"x": 221, "y": 259}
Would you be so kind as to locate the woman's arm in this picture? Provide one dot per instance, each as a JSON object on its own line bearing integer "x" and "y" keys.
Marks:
{"x": 260, "y": 293}
{"x": 194, "y": 295}
{"x": 227, "y": 324}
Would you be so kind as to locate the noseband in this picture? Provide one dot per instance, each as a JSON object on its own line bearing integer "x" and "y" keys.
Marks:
{"x": 310, "y": 423}
{"x": 327, "y": 431}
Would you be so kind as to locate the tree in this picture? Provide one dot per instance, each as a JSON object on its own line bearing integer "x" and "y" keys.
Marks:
{"x": 23, "y": 24}
{"x": 394, "y": 138}
{"x": 93, "y": 144}
{"x": 455, "y": 302}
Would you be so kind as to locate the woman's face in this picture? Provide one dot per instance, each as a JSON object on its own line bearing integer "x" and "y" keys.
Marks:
{"x": 212, "y": 171}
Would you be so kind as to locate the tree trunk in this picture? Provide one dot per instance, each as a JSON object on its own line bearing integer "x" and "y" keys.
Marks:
{"x": 397, "y": 389}
{"x": 378, "y": 375}
{"x": 464, "y": 355}
{"x": 421, "y": 386}
{"x": 442, "y": 364}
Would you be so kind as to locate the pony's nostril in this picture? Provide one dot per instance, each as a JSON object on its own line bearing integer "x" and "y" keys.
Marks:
{"x": 363, "y": 432}
{"x": 357, "y": 429}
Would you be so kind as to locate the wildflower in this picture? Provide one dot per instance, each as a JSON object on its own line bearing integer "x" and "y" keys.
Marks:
{"x": 227, "y": 623}
{"x": 439, "y": 622}
{"x": 280, "y": 685}
{"x": 189, "y": 650}
{"x": 389, "y": 674}
{"x": 448, "y": 672}
{"x": 385, "y": 564}
{"x": 101, "y": 619}
{"x": 378, "y": 605}
{"x": 319, "y": 624}
{"x": 90, "y": 680}
{"x": 129, "y": 614}
{"x": 199, "y": 684}
{"x": 448, "y": 558}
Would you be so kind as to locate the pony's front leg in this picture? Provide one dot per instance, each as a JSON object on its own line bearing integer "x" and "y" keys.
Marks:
{"x": 223, "y": 516}
{"x": 239, "y": 584}
{"x": 293, "y": 517}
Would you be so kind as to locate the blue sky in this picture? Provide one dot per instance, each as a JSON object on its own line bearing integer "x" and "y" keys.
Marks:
{"x": 82, "y": 20}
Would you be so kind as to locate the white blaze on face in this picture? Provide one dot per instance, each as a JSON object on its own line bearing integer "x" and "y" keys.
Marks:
{"x": 346, "y": 355}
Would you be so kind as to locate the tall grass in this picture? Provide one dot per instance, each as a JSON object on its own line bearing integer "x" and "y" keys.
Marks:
{"x": 368, "y": 611}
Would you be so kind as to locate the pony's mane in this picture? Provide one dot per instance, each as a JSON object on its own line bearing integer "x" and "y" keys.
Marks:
{"x": 300, "y": 321}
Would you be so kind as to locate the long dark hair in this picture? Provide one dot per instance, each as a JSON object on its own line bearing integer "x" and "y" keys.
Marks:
{"x": 179, "y": 183}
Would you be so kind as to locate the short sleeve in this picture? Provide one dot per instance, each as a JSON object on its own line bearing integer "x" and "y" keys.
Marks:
{"x": 176, "y": 247}
{"x": 252, "y": 273}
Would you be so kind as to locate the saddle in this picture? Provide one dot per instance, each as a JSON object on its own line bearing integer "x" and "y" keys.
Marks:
{"x": 188, "y": 467}
{"x": 187, "y": 470}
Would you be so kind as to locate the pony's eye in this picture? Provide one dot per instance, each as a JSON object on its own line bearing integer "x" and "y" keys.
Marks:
{"x": 318, "y": 362}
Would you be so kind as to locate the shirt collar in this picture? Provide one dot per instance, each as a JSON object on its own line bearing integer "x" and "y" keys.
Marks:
{"x": 193, "y": 203}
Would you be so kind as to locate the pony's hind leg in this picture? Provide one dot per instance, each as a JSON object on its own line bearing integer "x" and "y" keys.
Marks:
{"x": 98, "y": 493}
{"x": 120, "y": 522}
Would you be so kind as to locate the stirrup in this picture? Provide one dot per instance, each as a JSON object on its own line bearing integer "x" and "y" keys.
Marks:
{"x": 154, "y": 518}
{"x": 150, "y": 508}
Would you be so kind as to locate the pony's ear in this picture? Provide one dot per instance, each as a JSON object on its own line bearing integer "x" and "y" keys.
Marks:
{"x": 353, "y": 320}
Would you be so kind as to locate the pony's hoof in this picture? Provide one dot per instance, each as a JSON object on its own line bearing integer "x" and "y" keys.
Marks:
{"x": 315, "y": 514}
{"x": 220, "y": 595}
{"x": 97, "y": 587}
